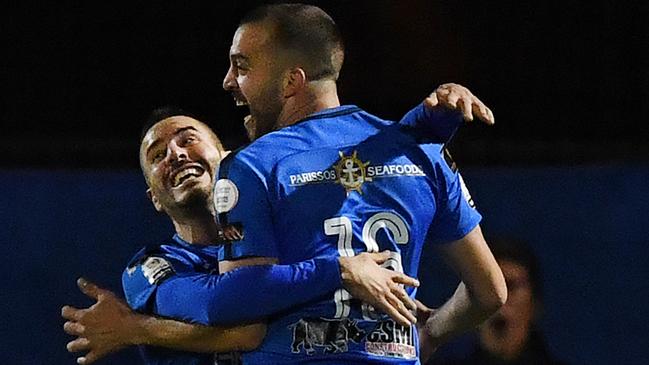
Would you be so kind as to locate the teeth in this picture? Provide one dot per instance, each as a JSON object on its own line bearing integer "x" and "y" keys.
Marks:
{"x": 191, "y": 171}
{"x": 241, "y": 102}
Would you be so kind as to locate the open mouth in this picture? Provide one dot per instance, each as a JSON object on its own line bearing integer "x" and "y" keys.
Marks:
{"x": 239, "y": 99}
{"x": 186, "y": 173}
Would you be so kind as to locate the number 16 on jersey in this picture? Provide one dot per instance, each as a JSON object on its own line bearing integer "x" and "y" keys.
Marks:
{"x": 342, "y": 227}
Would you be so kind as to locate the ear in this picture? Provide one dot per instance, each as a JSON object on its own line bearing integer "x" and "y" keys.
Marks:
{"x": 154, "y": 200}
{"x": 294, "y": 81}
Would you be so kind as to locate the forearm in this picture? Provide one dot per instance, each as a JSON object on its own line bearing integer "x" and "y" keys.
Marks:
{"x": 480, "y": 294}
{"x": 462, "y": 312}
{"x": 155, "y": 331}
{"x": 217, "y": 299}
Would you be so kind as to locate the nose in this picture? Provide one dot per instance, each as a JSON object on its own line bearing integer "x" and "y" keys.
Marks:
{"x": 230, "y": 80}
{"x": 176, "y": 153}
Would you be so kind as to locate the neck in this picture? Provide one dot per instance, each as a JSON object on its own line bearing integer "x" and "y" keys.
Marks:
{"x": 318, "y": 96}
{"x": 197, "y": 230}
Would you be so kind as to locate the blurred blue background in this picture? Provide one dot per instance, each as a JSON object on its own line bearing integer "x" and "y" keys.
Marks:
{"x": 587, "y": 225}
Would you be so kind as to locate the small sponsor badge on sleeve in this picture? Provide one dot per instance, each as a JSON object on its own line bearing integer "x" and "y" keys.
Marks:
{"x": 466, "y": 193}
{"x": 226, "y": 195}
{"x": 156, "y": 269}
{"x": 449, "y": 159}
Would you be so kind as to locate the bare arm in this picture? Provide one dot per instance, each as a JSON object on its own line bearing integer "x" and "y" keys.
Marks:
{"x": 110, "y": 325}
{"x": 480, "y": 294}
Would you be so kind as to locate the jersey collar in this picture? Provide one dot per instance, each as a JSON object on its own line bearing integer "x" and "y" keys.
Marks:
{"x": 332, "y": 112}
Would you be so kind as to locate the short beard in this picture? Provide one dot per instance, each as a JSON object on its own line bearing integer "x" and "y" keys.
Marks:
{"x": 266, "y": 119}
{"x": 196, "y": 203}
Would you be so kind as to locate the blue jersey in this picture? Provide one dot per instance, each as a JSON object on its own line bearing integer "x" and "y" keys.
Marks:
{"x": 181, "y": 281}
{"x": 338, "y": 183}
{"x": 151, "y": 267}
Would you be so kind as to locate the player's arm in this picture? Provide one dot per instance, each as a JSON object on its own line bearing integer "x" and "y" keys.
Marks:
{"x": 456, "y": 232}
{"x": 480, "y": 294}
{"x": 442, "y": 112}
{"x": 110, "y": 325}
{"x": 217, "y": 299}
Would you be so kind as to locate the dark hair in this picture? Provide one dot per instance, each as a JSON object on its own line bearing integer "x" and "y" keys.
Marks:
{"x": 307, "y": 30}
{"x": 162, "y": 113}
{"x": 521, "y": 253}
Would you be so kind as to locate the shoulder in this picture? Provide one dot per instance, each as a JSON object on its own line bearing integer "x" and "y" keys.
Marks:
{"x": 314, "y": 131}
{"x": 147, "y": 269}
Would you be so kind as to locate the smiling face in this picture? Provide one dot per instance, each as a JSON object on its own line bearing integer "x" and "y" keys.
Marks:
{"x": 179, "y": 156}
{"x": 256, "y": 74}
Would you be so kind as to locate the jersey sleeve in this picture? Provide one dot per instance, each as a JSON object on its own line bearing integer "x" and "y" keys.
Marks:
{"x": 244, "y": 211}
{"x": 455, "y": 214}
{"x": 142, "y": 277}
{"x": 435, "y": 126}
{"x": 212, "y": 299}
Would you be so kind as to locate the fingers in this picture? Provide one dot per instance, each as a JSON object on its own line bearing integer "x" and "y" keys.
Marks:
{"x": 401, "y": 309}
{"x": 90, "y": 357}
{"x": 71, "y": 313}
{"x": 491, "y": 116}
{"x": 74, "y": 328}
{"x": 88, "y": 288}
{"x": 451, "y": 99}
{"x": 482, "y": 112}
{"x": 403, "y": 297}
{"x": 431, "y": 101}
{"x": 457, "y": 97}
{"x": 80, "y": 344}
{"x": 423, "y": 312}
{"x": 421, "y": 307}
{"x": 466, "y": 105}
{"x": 401, "y": 278}
{"x": 378, "y": 257}
{"x": 385, "y": 306}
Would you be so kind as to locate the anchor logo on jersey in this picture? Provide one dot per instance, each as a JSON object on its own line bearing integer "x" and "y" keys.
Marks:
{"x": 351, "y": 172}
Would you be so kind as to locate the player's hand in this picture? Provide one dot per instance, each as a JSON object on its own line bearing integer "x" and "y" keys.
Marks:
{"x": 426, "y": 345}
{"x": 364, "y": 279}
{"x": 458, "y": 97}
{"x": 105, "y": 327}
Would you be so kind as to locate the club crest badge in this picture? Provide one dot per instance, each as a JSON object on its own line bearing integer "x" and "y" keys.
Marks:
{"x": 156, "y": 269}
{"x": 351, "y": 172}
{"x": 226, "y": 195}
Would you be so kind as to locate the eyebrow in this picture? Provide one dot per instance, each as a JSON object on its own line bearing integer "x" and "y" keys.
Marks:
{"x": 177, "y": 132}
{"x": 238, "y": 56}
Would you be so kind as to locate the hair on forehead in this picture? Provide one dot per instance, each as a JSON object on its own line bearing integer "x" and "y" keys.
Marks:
{"x": 162, "y": 113}
{"x": 308, "y": 31}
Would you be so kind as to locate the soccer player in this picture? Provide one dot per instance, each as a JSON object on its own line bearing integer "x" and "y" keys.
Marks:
{"x": 343, "y": 182}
